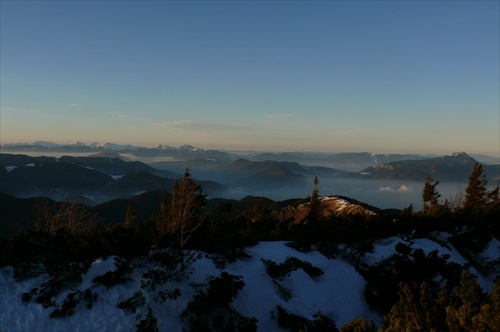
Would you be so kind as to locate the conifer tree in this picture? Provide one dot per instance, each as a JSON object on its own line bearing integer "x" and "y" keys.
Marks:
{"x": 495, "y": 297}
{"x": 493, "y": 204}
{"x": 407, "y": 211}
{"x": 419, "y": 308}
{"x": 163, "y": 214}
{"x": 359, "y": 325}
{"x": 431, "y": 309}
{"x": 404, "y": 315}
{"x": 490, "y": 314}
{"x": 430, "y": 197}
{"x": 468, "y": 300}
{"x": 314, "y": 204}
{"x": 476, "y": 194}
{"x": 315, "y": 192}
{"x": 130, "y": 215}
{"x": 487, "y": 317}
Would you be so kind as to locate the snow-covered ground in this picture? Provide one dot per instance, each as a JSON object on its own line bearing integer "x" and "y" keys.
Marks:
{"x": 387, "y": 247}
{"x": 337, "y": 294}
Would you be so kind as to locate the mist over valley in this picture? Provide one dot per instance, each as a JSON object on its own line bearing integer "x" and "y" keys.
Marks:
{"x": 100, "y": 172}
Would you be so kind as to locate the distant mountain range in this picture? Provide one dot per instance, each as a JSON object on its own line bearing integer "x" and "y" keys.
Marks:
{"x": 88, "y": 179}
{"x": 112, "y": 171}
{"x": 455, "y": 167}
{"x": 99, "y": 178}
{"x": 347, "y": 161}
{"x": 185, "y": 152}
{"x": 109, "y": 183}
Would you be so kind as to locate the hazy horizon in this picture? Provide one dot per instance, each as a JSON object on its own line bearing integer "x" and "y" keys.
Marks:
{"x": 381, "y": 77}
{"x": 236, "y": 151}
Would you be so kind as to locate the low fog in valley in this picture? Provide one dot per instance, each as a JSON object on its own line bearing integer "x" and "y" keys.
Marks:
{"x": 384, "y": 194}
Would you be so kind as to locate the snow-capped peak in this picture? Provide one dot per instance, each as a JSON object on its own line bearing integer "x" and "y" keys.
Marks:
{"x": 188, "y": 147}
{"x": 114, "y": 146}
{"x": 458, "y": 154}
{"x": 76, "y": 144}
{"x": 164, "y": 147}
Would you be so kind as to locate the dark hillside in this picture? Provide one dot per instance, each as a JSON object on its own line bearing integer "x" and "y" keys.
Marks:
{"x": 93, "y": 179}
{"x": 346, "y": 161}
{"x": 114, "y": 212}
{"x": 451, "y": 168}
{"x": 16, "y": 213}
{"x": 22, "y": 213}
{"x": 115, "y": 165}
{"x": 18, "y": 160}
{"x": 112, "y": 166}
{"x": 261, "y": 175}
{"x": 39, "y": 177}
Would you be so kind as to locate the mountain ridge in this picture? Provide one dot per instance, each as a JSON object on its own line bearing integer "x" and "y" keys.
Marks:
{"x": 90, "y": 179}
{"x": 347, "y": 161}
{"x": 453, "y": 167}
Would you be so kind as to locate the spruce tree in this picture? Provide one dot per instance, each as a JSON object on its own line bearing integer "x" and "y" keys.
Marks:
{"x": 476, "y": 197}
{"x": 430, "y": 197}
{"x": 314, "y": 203}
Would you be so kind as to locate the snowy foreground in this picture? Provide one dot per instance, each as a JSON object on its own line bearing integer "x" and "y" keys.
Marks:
{"x": 338, "y": 293}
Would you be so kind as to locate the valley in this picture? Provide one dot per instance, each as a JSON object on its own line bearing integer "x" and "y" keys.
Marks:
{"x": 94, "y": 173}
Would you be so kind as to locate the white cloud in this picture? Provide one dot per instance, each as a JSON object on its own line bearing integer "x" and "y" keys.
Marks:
{"x": 403, "y": 188}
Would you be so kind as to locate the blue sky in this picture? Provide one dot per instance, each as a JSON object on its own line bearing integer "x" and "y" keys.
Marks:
{"x": 376, "y": 76}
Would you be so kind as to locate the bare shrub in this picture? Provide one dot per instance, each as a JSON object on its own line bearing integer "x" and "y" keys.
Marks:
{"x": 181, "y": 216}
{"x": 71, "y": 217}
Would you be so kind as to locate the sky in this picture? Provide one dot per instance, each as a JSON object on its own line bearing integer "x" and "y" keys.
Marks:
{"x": 329, "y": 76}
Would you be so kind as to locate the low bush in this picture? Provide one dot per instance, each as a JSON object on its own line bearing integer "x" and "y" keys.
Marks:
{"x": 295, "y": 323}
{"x": 148, "y": 323}
{"x": 71, "y": 302}
{"x": 229, "y": 256}
{"x": 133, "y": 303}
{"x": 279, "y": 271}
{"x": 211, "y": 310}
{"x": 112, "y": 278}
{"x": 58, "y": 283}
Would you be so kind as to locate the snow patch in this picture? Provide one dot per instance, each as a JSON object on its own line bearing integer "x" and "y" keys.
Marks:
{"x": 10, "y": 168}
{"x": 492, "y": 251}
{"x": 338, "y": 294}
